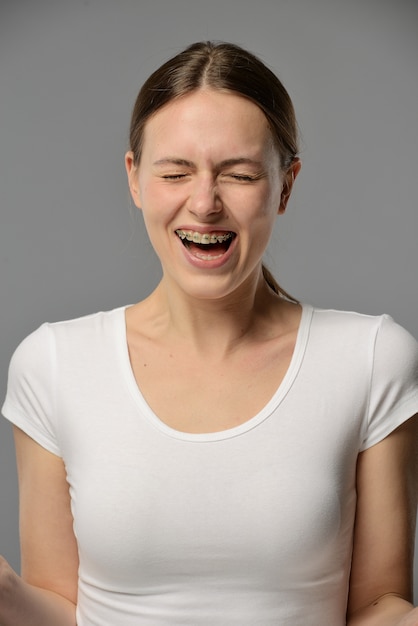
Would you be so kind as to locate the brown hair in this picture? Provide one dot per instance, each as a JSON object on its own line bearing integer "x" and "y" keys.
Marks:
{"x": 224, "y": 67}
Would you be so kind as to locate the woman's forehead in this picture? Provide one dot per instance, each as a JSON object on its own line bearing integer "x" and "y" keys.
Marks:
{"x": 211, "y": 116}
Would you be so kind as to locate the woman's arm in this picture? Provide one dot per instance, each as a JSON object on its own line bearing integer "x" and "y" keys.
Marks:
{"x": 381, "y": 586}
{"x": 46, "y": 592}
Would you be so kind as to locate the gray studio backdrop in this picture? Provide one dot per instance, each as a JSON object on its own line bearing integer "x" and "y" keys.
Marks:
{"x": 70, "y": 241}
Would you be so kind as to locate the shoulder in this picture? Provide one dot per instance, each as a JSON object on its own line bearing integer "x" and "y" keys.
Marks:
{"x": 381, "y": 331}
{"x": 376, "y": 348}
{"x": 346, "y": 320}
{"x": 38, "y": 350}
{"x": 98, "y": 322}
{"x": 43, "y": 365}
{"x": 373, "y": 357}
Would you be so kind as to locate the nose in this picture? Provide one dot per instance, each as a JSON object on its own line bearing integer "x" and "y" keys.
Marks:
{"x": 204, "y": 200}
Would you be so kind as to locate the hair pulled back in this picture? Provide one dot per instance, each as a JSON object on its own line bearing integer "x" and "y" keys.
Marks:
{"x": 224, "y": 67}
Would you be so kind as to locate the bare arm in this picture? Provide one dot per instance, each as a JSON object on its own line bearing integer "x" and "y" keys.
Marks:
{"x": 383, "y": 550}
{"x": 46, "y": 592}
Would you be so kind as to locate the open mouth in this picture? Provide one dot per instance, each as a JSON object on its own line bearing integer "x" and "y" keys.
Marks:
{"x": 206, "y": 246}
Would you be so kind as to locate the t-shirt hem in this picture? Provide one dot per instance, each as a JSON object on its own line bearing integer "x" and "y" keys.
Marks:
{"x": 15, "y": 417}
{"x": 404, "y": 412}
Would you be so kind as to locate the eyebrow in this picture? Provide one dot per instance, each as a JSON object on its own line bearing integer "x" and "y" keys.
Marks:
{"x": 174, "y": 161}
{"x": 226, "y": 163}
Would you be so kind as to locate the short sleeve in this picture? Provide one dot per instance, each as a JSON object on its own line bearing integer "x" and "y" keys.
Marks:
{"x": 29, "y": 402}
{"x": 394, "y": 381}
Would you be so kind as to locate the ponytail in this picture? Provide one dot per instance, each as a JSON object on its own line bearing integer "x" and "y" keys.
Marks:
{"x": 274, "y": 285}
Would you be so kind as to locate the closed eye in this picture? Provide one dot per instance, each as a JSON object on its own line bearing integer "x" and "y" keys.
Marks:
{"x": 244, "y": 178}
{"x": 173, "y": 176}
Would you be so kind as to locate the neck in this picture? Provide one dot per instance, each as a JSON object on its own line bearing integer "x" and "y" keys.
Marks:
{"x": 217, "y": 326}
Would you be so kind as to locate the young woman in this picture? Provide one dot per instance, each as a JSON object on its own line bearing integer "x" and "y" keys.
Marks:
{"x": 217, "y": 453}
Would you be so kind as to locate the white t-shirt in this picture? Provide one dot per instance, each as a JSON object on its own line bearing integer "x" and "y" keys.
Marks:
{"x": 252, "y": 525}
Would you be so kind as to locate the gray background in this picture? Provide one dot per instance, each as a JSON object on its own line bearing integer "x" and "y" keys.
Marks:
{"x": 70, "y": 241}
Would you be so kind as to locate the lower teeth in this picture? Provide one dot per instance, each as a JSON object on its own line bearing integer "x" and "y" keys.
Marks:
{"x": 207, "y": 257}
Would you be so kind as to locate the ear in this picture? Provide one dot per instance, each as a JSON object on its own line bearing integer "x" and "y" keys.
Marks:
{"x": 289, "y": 179}
{"x": 132, "y": 172}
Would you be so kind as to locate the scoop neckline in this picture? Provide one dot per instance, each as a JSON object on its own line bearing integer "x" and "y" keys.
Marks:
{"x": 151, "y": 417}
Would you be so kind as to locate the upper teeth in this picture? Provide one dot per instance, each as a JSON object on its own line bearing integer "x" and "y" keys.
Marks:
{"x": 204, "y": 238}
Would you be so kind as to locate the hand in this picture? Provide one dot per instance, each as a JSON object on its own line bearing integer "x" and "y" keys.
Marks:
{"x": 22, "y": 604}
{"x": 411, "y": 619}
{"x": 8, "y": 578}
{"x": 8, "y": 584}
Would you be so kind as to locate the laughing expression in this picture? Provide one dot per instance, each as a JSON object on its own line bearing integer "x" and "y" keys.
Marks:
{"x": 209, "y": 184}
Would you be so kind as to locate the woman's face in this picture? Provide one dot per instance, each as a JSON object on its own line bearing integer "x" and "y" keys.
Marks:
{"x": 209, "y": 185}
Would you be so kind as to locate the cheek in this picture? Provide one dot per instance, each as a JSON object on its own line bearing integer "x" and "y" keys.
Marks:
{"x": 160, "y": 199}
{"x": 257, "y": 205}
{"x": 159, "y": 209}
{"x": 262, "y": 219}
